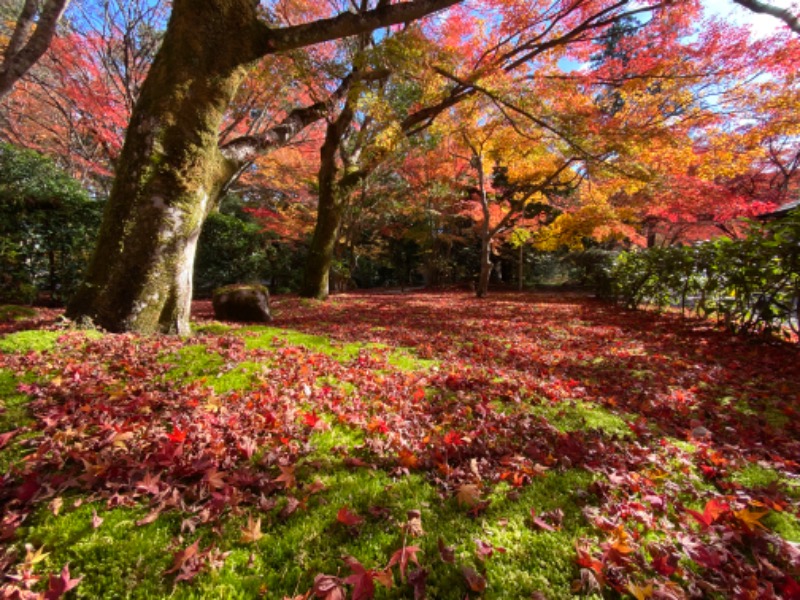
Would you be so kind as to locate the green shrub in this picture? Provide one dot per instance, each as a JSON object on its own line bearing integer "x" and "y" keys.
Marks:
{"x": 751, "y": 284}
{"x": 234, "y": 248}
{"x": 48, "y": 225}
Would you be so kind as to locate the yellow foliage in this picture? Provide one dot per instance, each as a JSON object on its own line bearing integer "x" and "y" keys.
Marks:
{"x": 595, "y": 219}
{"x": 388, "y": 139}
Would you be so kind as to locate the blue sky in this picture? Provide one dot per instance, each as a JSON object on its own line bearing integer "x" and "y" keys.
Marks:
{"x": 762, "y": 25}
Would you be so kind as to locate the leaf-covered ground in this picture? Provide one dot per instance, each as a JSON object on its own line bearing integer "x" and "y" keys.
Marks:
{"x": 401, "y": 446}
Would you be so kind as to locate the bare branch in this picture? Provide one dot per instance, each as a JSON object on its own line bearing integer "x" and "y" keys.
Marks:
{"x": 784, "y": 14}
{"x": 25, "y": 48}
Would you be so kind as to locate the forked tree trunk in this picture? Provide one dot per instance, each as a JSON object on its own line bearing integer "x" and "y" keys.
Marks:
{"x": 169, "y": 176}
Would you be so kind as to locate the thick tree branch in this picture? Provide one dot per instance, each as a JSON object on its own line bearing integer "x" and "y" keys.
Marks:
{"x": 518, "y": 208}
{"x": 347, "y": 24}
{"x": 25, "y": 48}
{"x": 245, "y": 149}
{"x": 784, "y": 14}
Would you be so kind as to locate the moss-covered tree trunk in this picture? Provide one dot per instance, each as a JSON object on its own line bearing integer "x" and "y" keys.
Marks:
{"x": 169, "y": 175}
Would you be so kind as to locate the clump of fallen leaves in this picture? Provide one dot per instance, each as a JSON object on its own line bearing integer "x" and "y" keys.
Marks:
{"x": 113, "y": 425}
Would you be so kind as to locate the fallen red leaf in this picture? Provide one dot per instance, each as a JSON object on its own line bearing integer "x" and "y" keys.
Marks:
{"x": 401, "y": 558}
{"x": 348, "y": 518}
{"x": 61, "y": 584}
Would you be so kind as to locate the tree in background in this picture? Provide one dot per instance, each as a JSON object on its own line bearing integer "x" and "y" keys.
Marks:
{"x": 653, "y": 118}
{"x": 75, "y": 104}
{"x": 699, "y": 129}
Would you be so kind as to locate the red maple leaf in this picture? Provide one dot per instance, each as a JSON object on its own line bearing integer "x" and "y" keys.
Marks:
{"x": 540, "y": 523}
{"x": 345, "y": 517}
{"x": 311, "y": 419}
{"x": 362, "y": 580}
{"x": 60, "y": 585}
{"x": 6, "y": 437}
{"x": 177, "y": 436}
{"x": 790, "y": 589}
{"x": 402, "y": 556}
{"x": 453, "y": 438}
{"x": 713, "y": 510}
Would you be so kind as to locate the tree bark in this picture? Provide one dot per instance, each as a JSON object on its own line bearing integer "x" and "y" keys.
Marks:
{"x": 486, "y": 268}
{"x": 784, "y": 14}
{"x": 316, "y": 281}
{"x": 486, "y": 232}
{"x": 140, "y": 276}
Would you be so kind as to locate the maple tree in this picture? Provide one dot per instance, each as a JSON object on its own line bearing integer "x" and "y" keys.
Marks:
{"x": 460, "y": 69}
{"x": 525, "y": 171}
{"x": 103, "y": 297}
{"x": 613, "y": 111}
{"x": 95, "y": 66}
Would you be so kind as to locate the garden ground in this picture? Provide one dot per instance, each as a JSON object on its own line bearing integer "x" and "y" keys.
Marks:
{"x": 399, "y": 446}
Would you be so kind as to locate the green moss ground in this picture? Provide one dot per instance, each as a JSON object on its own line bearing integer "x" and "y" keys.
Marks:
{"x": 119, "y": 559}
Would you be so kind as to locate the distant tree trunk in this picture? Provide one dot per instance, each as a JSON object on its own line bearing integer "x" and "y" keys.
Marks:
{"x": 521, "y": 267}
{"x": 316, "y": 282}
{"x": 486, "y": 233}
{"x": 169, "y": 176}
{"x": 51, "y": 264}
{"x": 486, "y": 268}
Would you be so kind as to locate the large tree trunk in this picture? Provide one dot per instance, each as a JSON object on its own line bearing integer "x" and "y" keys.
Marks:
{"x": 169, "y": 175}
{"x": 316, "y": 282}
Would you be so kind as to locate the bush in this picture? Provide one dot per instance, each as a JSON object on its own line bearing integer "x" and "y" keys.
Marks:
{"x": 234, "y": 248}
{"x": 231, "y": 249}
{"x": 752, "y": 284}
{"x": 592, "y": 269}
{"x": 48, "y": 226}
